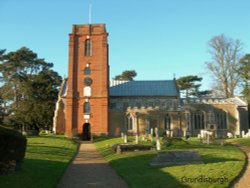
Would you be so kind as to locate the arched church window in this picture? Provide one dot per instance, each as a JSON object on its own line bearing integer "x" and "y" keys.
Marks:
{"x": 188, "y": 121}
{"x": 198, "y": 120}
{"x": 147, "y": 125}
{"x": 130, "y": 123}
{"x": 87, "y": 48}
{"x": 221, "y": 120}
{"x": 167, "y": 122}
{"x": 86, "y": 108}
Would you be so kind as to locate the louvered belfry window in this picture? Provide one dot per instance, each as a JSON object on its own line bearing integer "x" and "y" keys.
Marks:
{"x": 87, "y": 48}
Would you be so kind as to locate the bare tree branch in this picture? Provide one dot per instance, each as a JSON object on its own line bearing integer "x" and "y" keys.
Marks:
{"x": 225, "y": 54}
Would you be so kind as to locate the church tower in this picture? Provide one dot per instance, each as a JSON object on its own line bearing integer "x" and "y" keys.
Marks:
{"x": 86, "y": 101}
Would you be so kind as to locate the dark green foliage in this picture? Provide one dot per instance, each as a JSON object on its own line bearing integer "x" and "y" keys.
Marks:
{"x": 126, "y": 75}
{"x": 29, "y": 90}
{"x": 188, "y": 84}
{"x": 12, "y": 150}
{"x": 244, "y": 72}
{"x": 46, "y": 159}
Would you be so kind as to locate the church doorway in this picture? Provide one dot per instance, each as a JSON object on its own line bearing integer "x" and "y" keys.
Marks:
{"x": 86, "y": 134}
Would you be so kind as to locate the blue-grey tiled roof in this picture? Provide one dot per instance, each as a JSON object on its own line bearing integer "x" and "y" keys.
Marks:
{"x": 144, "y": 88}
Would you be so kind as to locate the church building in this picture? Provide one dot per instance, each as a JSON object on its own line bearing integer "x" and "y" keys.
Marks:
{"x": 90, "y": 104}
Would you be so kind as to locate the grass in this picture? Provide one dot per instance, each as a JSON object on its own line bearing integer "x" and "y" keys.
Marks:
{"x": 46, "y": 159}
{"x": 241, "y": 141}
{"x": 221, "y": 165}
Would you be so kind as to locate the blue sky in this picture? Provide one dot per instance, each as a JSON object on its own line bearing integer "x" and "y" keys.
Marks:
{"x": 157, "y": 38}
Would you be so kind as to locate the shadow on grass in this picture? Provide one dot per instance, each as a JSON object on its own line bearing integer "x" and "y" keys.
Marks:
{"x": 52, "y": 137}
{"x": 49, "y": 150}
{"x": 35, "y": 173}
{"x": 211, "y": 159}
{"x": 135, "y": 170}
{"x": 102, "y": 138}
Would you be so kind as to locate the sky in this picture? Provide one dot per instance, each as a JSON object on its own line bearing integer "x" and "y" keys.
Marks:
{"x": 157, "y": 38}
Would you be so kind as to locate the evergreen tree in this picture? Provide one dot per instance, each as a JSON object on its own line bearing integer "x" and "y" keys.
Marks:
{"x": 190, "y": 87}
{"x": 126, "y": 75}
{"x": 244, "y": 72}
{"x": 29, "y": 89}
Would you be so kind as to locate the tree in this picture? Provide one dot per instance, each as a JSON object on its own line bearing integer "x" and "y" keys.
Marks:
{"x": 126, "y": 75}
{"x": 190, "y": 87}
{"x": 244, "y": 73}
{"x": 29, "y": 89}
{"x": 225, "y": 54}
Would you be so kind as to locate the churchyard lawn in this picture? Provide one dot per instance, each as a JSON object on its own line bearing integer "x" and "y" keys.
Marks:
{"x": 46, "y": 159}
{"x": 241, "y": 141}
{"x": 221, "y": 165}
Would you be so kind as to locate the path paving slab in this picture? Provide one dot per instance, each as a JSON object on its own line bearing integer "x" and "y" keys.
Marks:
{"x": 89, "y": 169}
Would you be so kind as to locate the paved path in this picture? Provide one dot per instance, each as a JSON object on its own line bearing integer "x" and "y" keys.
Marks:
{"x": 89, "y": 169}
{"x": 244, "y": 180}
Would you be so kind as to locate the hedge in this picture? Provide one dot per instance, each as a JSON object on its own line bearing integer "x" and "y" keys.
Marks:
{"x": 12, "y": 150}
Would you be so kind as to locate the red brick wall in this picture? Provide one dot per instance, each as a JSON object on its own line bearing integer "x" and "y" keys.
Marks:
{"x": 99, "y": 74}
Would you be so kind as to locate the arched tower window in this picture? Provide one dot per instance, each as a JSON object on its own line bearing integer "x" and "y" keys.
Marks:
{"x": 87, "y": 48}
{"x": 86, "y": 108}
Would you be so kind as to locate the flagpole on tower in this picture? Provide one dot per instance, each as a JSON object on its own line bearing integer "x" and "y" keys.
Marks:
{"x": 90, "y": 9}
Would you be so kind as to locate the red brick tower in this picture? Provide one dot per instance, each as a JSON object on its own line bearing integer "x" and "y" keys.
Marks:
{"x": 88, "y": 78}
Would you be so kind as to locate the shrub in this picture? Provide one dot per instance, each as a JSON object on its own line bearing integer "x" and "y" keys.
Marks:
{"x": 12, "y": 150}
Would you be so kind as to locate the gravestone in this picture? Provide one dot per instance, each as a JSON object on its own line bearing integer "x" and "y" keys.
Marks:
{"x": 172, "y": 158}
{"x": 125, "y": 138}
{"x": 122, "y": 135}
{"x": 158, "y": 144}
{"x": 136, "y": 138}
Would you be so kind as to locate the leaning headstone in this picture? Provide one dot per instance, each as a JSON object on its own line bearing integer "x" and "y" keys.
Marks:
{"x": 199, "y": 136}
{"x": 125, "y": 139}
{"x": 136, "y": 138}
{"x": 202, "y": 134}
{"x": 243, "y": 134}
{"x": 158, "y": 144}
{"x": 156, "y": 132}
{"x": 143, "y": 138}
{"x": 122, "y": 135}
{"x": 207, "y": 136}
{"x": 118, "y": 149}
{"x": 230, "y": 135}
{"x": 150, "y": 137}
{"x": 152, "y": 131}
{"x": 167, "y": 133}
